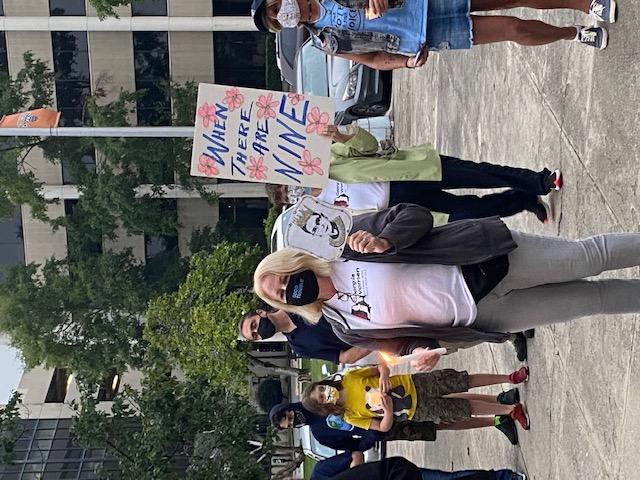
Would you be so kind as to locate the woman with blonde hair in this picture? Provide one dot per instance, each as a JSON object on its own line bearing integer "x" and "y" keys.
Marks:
{"x": 405, "y": 285}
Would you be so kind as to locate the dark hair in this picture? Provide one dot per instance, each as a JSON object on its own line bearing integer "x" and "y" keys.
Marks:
{"x": 263, "y": 306}
{"x": 278, "y": 413}
{"x": 318, "y": 408}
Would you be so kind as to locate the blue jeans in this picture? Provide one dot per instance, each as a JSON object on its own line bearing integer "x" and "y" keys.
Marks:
{"x": 428, "y": 474}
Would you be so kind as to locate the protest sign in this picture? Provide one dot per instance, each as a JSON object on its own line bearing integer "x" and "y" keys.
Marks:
{"x": 261, "y": 136}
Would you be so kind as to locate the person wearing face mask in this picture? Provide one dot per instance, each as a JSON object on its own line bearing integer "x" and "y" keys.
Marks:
{"x": 362, "y": 178}
{"x": 406, "y": 285}
{"x": 333, "y": 432}
{"x": 390, "y": 34}
{"x": 372, "y": 398}
{"x": 308, "y": 341}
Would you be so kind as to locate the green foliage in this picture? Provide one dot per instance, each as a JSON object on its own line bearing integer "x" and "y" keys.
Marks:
{"x": 106, "y": 8}
{"x": 10, "y": 429}
{"x": 197, "y": 325}
{"x": 269, "y": 393}
{"x": 205, "y": 239}
{"x": 268, "y": 223}
{"x": 272, "y": 80}
{"x": 31, "y": 88}
{"x": 83, "y": 314}
{"x": 151, "y": 430}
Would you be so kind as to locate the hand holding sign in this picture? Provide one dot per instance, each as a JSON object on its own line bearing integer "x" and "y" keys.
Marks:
{"x": 261, "y": 136}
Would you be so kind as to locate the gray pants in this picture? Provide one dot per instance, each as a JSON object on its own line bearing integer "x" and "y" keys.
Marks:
{"x": 545, "y": 282}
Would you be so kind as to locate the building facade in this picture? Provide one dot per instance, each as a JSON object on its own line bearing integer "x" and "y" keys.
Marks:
{"x": 153, "y": 43}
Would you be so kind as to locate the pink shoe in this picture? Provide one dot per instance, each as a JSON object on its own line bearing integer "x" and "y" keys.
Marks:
{"x": 519, "y": 376}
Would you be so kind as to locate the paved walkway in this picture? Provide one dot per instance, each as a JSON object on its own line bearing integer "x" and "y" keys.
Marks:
{"x": 558, "y": 106}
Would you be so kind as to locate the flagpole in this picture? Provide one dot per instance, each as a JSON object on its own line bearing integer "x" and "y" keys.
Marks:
{"x": 138, "y": 132}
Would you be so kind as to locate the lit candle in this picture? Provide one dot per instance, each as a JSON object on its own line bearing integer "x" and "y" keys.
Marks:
{"x": 407, "y": 359}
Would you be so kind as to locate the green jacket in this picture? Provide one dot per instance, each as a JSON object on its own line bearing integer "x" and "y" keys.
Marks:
{"x": 358, "y": 161}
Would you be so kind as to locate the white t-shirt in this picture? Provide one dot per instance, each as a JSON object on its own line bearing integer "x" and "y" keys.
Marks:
{"x": 388, "y": 295}
{"x": 356, "y": 196}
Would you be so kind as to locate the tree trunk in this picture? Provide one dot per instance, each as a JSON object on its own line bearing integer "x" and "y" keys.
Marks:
{"x": 289, "y": 468}
{"x": 299, "y": 373}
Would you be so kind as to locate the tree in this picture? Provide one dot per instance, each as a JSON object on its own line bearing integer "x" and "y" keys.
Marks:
{"x": 197, "y": 325}
{"x": 106, "y": 8}
{"x": 83, "y": 315}
{"x": 10, "y": 429}
{"x": 153, "y": 433}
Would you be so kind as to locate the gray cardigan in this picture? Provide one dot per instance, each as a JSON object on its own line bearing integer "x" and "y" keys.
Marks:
{"x": 410, "y": 230}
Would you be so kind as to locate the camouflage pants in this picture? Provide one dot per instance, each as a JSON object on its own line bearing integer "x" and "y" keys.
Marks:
{"x": 431, "y": 389}
{"x": 411, "y": 431}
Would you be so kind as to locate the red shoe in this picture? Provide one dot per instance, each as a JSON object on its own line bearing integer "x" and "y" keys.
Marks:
{"x": 519, "y": 376}
{"x": 519, "y": 414}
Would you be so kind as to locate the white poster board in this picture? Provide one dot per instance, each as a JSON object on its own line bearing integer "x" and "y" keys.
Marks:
{"x": 262, "y": 136}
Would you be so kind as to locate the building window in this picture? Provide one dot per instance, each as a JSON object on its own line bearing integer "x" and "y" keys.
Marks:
{"x": 59, "y": 385}
{"x": 246, "y": 215}
{"x": 109, "y": 387}
{"x": 155, "y": 8}
{"x": 73, "y": 80}
{"x": 151, "y": 60}
{"x": 226, "y": 8}
{"x": 4, "y": 64}
{"x": 67, "y": 7}
{"x": 12, "y": 241}
{"x": 239, "y": 58}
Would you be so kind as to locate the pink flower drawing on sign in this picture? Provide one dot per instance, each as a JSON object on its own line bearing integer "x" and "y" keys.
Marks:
{"x": 309, "y": 165}
{"x": 207, "y": 112}
{"x": 295, "y": 98}
{"x": 266, "y": 105}
{"x": 257, "y": 168}
{"x": 207, "y": 165}
{"x": 233, "y": 99}
{"x": 316, "y": 121}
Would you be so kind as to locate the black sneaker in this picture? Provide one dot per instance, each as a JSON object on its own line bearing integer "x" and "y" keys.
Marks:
{"x": 596, "y": 37}
{"x": 543, "y": 211}
{"x": 510, "y": 397}
{"x": 554, "y": 180}
{"x": 530, "y": 333}
{"x": 507, "y": 426}
{"x": 603, "y": 10}
{"x": 520, "y": 344}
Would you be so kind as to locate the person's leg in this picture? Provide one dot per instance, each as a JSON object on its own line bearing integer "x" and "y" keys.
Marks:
{"x": 541, "y": 260}
{"x": 457, "y": 173}
{"x": 556, "y": 303}
{"x": 486, "y": 5}
{"x": 495, "y": 28}
{"x": 430, "y": 474}
{"x": 482, "y": 409}
{"x": 470, "y": 424}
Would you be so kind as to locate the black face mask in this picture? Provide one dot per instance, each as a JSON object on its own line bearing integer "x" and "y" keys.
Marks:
{"x": 299, "y": 419}
{"x": 266, "y": 329}
{"x": 302, "y": 288}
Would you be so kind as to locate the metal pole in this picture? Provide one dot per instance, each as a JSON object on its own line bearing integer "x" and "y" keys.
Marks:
{"x": 139, "y": 132}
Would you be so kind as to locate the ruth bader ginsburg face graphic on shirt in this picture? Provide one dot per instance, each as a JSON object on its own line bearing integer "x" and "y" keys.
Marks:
{"x": 317, "y": 228}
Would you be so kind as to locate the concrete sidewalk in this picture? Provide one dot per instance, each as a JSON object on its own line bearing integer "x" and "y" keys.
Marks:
{"x": 564, "y": 106}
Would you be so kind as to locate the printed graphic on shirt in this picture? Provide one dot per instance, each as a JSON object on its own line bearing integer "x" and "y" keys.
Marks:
{"x": 336, "y": 422}
{"x": 357, "y": 298}
{"x": 345, "y": 18}
{"x": 341, "y": 197}
{"x": 402, "y": 402}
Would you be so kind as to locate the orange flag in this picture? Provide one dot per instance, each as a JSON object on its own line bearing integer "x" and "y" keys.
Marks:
{"x": 39, "y": 118}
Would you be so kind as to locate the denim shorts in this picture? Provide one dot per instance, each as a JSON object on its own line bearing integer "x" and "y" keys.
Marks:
{"x": 449, "y": 25}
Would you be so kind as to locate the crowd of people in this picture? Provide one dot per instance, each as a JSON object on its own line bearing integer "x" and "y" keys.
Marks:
{"x": 424, "y": 270}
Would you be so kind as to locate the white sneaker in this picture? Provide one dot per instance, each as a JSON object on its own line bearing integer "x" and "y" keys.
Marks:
{"x": 603, "y": 10}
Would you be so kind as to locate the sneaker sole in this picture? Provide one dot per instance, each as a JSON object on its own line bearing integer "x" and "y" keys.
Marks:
{"x": 613, "y": 7}
{"x": 548, "y": 211}
{"x": 605, "y": 39}
{"x": 526, "y": 414}
{"x": 559, "y": 181}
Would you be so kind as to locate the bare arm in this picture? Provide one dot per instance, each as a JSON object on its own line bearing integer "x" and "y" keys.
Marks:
{"x": 387, "y": 61}
{"x": 386, "y": 423}
{"x": 357, "y": 458}
{"x": 352, "y": 355}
